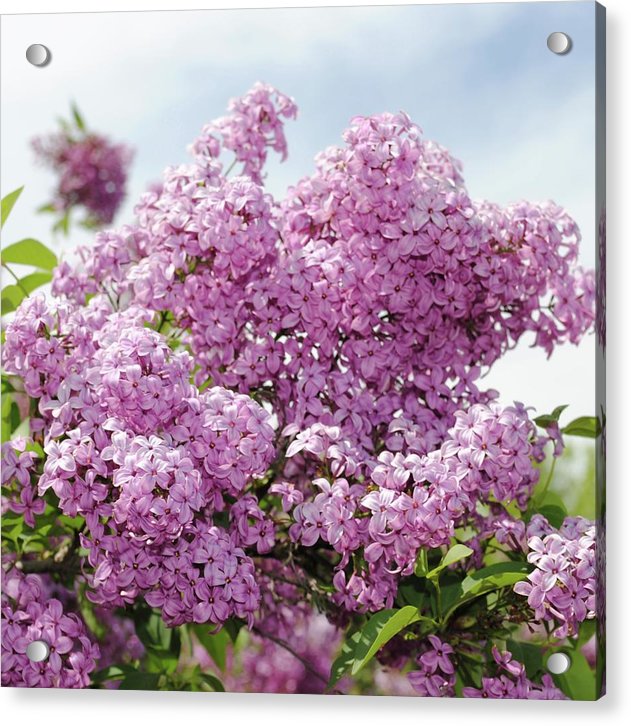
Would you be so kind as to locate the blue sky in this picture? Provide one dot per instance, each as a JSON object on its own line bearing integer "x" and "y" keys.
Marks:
{"x": 477, "y": 78}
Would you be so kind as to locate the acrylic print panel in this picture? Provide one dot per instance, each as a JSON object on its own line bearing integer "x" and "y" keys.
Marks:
{"x": 302, "y": 371}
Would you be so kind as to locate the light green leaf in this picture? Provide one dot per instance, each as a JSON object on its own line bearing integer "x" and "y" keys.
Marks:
{"x": 344, "y": 661}
{"x": 215, "y": 643}
{"x": 546, "y": 419}
{"x": 12, "y": 296}
{"x": 86, "y": 609}
{"x": 78, "y": 118}
{"x": 586, "y": 426}
{"x": 586, "y": 631}
{"x": 7, "y": 403}
{"x": 23, "y": 428}
{"x": 47, "y": 208}
{"x": 34, "y": 280}
{"x": 364, "y": 644}
{"x": 63, "y": 224}
{"x": 30, "y": 252}
{"x": 579, "y": 681}
{"x": 456, "y": 553}
{"x": 7, "y": 204}
{"x": 421, "y": 567}
{"x": 7, "y": 385}
{"x": 162, "y": 644}
{"x": 488, "y": 579}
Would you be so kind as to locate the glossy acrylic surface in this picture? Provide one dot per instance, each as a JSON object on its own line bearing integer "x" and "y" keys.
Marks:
{"x": 303, "y": 370}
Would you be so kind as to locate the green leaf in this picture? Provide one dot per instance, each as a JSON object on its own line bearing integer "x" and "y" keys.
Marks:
{"x": 162, "y": 644}
{"x": 528, "y": 654}
{"x": 215, "y": 643}
{"x": 7, "y": 402}
{"x": 488, "y": 579}
{"x": 7, "y": 385}
{"x": 86, "y": 609}
{"x": 555, "y": 515}
{"x": 11, "y": 297}
{"x": 456, "y": 553}
{"x": 30, "y": 252}
{"x": 63, "y": 224}
{"x": 111, "y": 673}
{"x": 73, "y": 523}
{"x": 212, "y": 681}
{"x": 46, "y": 208}
{"x": 421, "y": 567}
{"x": 364, "y": 644}
{"x": 7, "y": 204}
{"x": 14, "y": 416}
{"x": 232, "y": 626}
{"x": 35, "y": 279}
{"x": 551, "y": 507}
{"x": 13, "y": 529}
{"x": 78, "y": 118}
{"x": 579, "y": 681}
{"x": 140, "y": 682}
{"x": 414, "y": 591}
{"x": 344, "y": 661}
{"x": 586, "y": 426}
{"x": 546, "y": 419}
{"x": 586, "y": 631}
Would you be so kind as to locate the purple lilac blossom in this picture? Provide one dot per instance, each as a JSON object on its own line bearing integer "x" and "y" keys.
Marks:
{"x": 92, "y": 173}
{"x": 231, "y": 372}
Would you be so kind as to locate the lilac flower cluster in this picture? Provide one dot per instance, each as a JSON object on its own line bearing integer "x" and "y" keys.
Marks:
{"x": 235, "y": 392}
{"x": 28, "y": 616}
{"x": 411, "y": 501}
{"x": 254, "y": 124}
{"x": 18, "y": 463}
{"x": 379, "y": 263}
{"x": 561, "y": 589}
{"x": 146, "y": 459}
{"x": 512, "y": 682}
{"x": 436, "y": 675}
{"x": 92, "y": 172}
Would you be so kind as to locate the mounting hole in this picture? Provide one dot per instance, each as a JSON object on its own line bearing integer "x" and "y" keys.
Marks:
{"x": 38, "y": 55}
{"x": 558, "y": 663}
{"x": 559, "y": 43}
{"x": 37, "y": 651}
